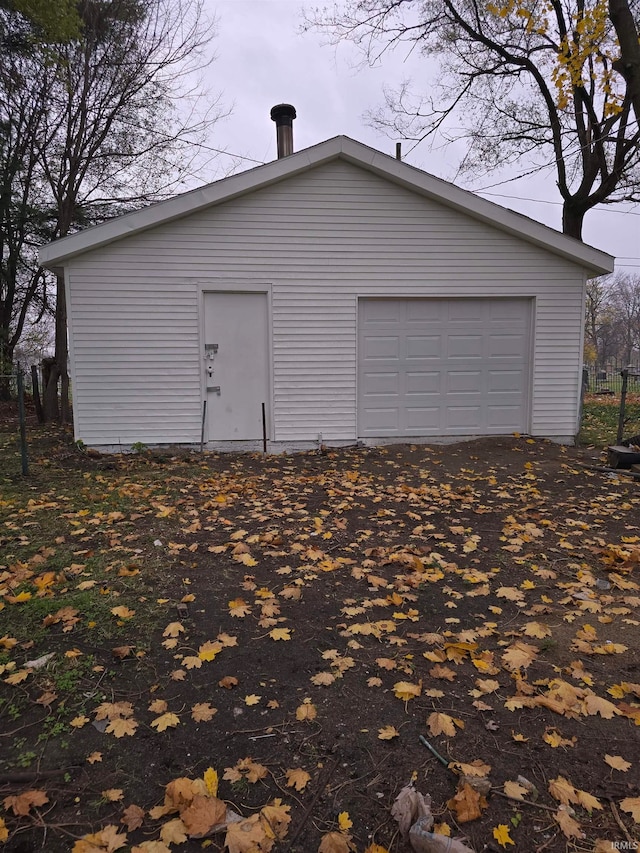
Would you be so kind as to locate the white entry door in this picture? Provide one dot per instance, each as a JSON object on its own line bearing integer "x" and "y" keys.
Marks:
{"x": 236, "y": 357}
{"x": 443, "y": 366}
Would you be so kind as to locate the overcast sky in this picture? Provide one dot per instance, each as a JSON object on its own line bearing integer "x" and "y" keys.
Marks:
{"x": 263, "y": 59}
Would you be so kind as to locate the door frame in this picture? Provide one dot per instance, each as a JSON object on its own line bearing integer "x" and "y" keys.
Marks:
{"x": 234, "y": 285}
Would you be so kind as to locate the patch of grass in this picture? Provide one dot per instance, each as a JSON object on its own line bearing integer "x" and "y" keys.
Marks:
{"x": 600, "y": 421}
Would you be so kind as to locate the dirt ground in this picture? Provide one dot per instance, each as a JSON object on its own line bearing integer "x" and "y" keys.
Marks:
{"x": 334, "y": 609}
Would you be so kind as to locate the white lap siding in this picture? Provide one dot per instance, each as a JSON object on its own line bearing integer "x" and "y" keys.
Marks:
{"x": 316, "y": 242}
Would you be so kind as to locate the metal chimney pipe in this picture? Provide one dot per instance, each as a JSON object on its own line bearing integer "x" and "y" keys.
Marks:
{"x": 283, "y": 115}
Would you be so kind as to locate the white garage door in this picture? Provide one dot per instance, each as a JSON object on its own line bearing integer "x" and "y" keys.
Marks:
{"x": 443, "y": 366}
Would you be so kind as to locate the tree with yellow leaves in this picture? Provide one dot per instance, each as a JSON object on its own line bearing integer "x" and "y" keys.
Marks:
{"x": 556, "y": 82}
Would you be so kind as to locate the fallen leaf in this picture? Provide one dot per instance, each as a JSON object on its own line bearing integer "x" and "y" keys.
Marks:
{"x": 501, "y": 835}
{"x": 632, "y": 806}
{"x": 132, "y": 817}
{"x": 113, "y": 794}
{"x": 569, "y": 826}
{"x": 344, "y": 822}
{"x": 405, "y": 690}
{"x": 387, "y": 733}
{"x": 202, "y": 712}
{"x": 202, "y": 815}
{"x": 467, "y": 803}
{"x": 336, "y": 842}
{"x": 168, "y": 720}
{"x": 21, "y": 804}
{"x": 297, "y": 778}
{"x": 307, "y": 711}
{"x": 617, "y": 762}
{"x": 280, "y": 634}
{"x": 441, "y": 724}
{"x": 515, "y": 791}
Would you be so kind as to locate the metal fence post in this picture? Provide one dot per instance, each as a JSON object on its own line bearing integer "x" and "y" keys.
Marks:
{"x": 23, "y": 422}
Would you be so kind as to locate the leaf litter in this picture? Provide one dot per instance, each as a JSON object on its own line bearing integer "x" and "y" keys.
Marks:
{"x": 455, "y": 593}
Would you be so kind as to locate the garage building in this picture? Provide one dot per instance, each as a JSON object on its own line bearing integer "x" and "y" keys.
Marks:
{"x": 341, "y": 292}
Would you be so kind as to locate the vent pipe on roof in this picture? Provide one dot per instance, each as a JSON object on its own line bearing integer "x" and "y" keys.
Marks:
{"x": 283, "y": 115}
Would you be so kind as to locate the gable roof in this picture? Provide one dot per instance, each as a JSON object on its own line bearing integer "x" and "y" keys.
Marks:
{"x": 340, "y": 147}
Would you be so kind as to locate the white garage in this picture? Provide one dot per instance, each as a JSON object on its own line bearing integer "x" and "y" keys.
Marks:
{"x": 334, "y": 295}
{"x": 443, "y": 366}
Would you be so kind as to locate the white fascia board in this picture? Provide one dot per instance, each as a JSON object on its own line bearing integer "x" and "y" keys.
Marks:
{"x": 597, "y": 262}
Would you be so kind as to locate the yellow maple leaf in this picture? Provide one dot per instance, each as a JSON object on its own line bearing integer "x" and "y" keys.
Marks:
{"x": 202, "y": 712}
{"x": 123, "y": 612}
{"x": 209, "y": 650}
{"x": 441, "y": 724}
{"x": 593, "y": 704}
{"x": 632, "y": 806}
{"x": 280, "y": 634}
{"x": 246, "y": 836}
{"x": 336, "y": 842}
{"x": 239, "y": 607}
{"x": 121, "y": 727}
{"x": 165, "y": 721}
{"x": 252, "y": 699}
{"x": 617, "y": 762}
{"x": 514, "y": 790}
{"x": 297, "y": 778}
{"x": 4, "y": 832}
{"x": 537, "y": 629}
{"x": 113, "y": 794}
{"x": 387, "y": 733}
{"x": 108, "y": 839}
{"x": 307, "y": 711}
{"x": 405, "y": 690}
{"x": 563, "y": 791}
{"x": 173, "y": 629}
{"x": 79, "y": 722}
{"x": 569, "y": 826}
{"x": 211, "y": 781}
{"x": 18, "y": 677}
{"x": 94, "y": 757}
{"x": 344, "y": 822}
{"x": 501, "y": 835}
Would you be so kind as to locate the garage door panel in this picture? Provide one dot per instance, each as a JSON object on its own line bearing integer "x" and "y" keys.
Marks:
{"x": 423, "y": 346}
{"x": 465, "y": 310}
{"x": 419, "y": 311}
{"x": 505, "y": 346}
{"x": 428, "y": 382}
{"x": 464, "y": 418}
{"x": 382, "y": 311}
{"x": 384, "y": 420}
{"x": 382, "y": 347}
{"x": 462, "y": 381}
{"x": 504, "y": 417}
{"x": 501, "y": 381}
{"x": 423, "y": 417}
{"x": 443, "y": 366}
{"x": 465, "y": 346}
{"x": 382, "y": 383}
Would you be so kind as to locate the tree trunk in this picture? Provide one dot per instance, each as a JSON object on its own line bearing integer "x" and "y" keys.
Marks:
{"x": 59, "y": 372}
{"x": 572, "y": 220}
{"x": 6, "y": 368}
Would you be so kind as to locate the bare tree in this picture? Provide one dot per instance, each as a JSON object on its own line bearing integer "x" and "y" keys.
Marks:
{"x": 23, "y": 105}
{"x": 550, "y": 82}
{"x": 122, "y": 125}
{"x": 625, "y": 301}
